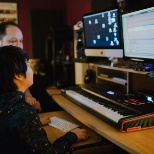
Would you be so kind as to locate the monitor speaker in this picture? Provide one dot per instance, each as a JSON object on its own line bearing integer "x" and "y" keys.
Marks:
{"x": 80, "y": 45}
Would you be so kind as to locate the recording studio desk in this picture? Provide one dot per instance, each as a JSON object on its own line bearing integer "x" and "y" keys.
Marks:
{"x": 139, "y": 142}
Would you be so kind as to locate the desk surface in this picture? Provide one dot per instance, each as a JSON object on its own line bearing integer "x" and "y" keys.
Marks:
{"x": 139, "y": 142}
{"x": 54, "y": 133}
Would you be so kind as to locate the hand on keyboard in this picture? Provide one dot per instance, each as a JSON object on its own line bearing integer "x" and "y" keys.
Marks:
{"x": 67, "y": 126}
{"x": 45, "y": 120}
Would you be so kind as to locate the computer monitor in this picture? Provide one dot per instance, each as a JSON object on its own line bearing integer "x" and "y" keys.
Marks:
{"x": 102, "y": 33}
{"x": 138, "y": 35}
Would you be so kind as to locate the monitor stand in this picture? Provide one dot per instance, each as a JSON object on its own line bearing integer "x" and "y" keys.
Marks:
{"x": 116, "y": 63}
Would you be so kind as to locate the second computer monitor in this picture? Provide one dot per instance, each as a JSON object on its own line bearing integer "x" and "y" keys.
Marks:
{"x": 138, "y": 35}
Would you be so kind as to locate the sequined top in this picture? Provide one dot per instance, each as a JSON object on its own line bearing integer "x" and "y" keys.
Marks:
{"x": 21, "y": 131}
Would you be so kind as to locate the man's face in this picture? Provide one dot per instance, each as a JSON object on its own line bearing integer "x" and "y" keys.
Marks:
{"x": 13, "y": 37}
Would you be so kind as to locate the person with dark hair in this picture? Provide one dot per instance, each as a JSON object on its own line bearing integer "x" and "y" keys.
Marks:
{"x": 10, "y": 34}
{"x": 21, "y": 131}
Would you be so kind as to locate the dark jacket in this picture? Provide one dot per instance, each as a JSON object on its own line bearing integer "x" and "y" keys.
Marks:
{"x": 21, "y": 131}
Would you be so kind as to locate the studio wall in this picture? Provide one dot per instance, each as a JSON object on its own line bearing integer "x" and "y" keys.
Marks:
{"x": 66, "y": 6}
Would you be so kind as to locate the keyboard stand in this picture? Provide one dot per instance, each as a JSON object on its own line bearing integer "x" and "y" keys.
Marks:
{"x": 53, "y": 133}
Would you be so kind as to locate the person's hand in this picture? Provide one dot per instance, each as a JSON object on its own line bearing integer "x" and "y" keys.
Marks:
{"x": 33, "y": 102}
{"x": 37, "y": 106}
{"x": 45, "y": 120}
{"x": 82, "y": 134}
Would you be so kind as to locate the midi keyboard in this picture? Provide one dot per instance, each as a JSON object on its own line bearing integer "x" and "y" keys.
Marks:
{"x": 126, "y": 112}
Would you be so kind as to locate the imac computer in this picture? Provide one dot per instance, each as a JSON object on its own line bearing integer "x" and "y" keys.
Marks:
{"x": 102, "y": 34}
{"x": 138, "y": 36}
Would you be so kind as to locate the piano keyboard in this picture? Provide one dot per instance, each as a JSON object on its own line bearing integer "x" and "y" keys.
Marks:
{"x": 106, "y": 110}
{"x": 120, "y": 115}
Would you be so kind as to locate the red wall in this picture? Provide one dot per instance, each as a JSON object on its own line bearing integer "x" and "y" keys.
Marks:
{"x": 73, "y": 10}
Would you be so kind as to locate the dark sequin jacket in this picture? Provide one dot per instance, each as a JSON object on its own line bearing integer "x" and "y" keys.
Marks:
{"x": 21, "y": 131}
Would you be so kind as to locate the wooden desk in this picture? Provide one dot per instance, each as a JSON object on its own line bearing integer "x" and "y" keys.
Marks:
{"x": 53, "y": 91}
{"x": 139, "y": 142}
{"x": 53, "y": 133}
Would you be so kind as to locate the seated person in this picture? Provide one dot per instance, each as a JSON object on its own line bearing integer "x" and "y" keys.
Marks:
{"x": 21, "y": 131}
{"x": 10, "y": 34}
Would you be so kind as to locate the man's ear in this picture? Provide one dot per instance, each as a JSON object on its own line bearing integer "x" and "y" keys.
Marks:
{"x": 18, "y": 77}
